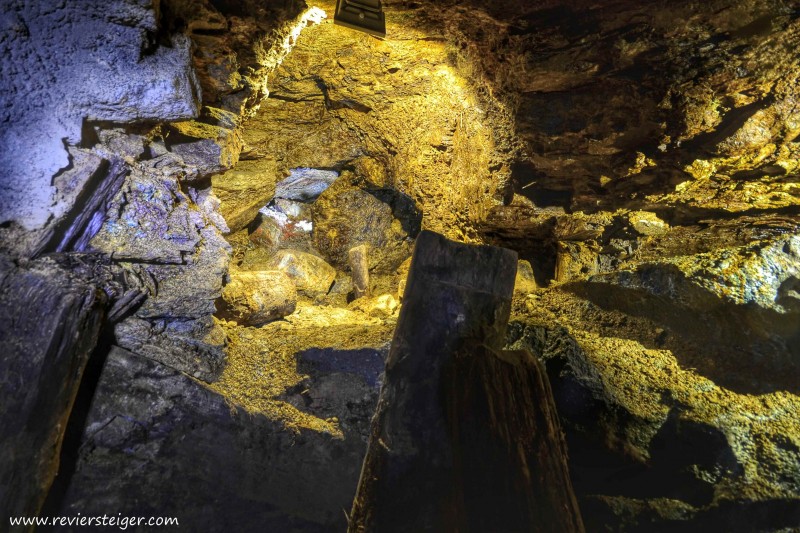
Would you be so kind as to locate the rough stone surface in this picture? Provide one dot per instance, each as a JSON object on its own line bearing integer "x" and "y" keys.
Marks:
{"x": 244, "y": 190}
{"x": 347, "y": 215}
{"x": 166, "y": 445}
{"x": 311, "y": 274}
{"x": 525, "y": 281}
{"x": 256, "y": 297}
{"x": 305, "y": 184}
{"x": 66, "y": 63}
{"x": 172, "y": 251}
{"x": 397, "y": 111}
{"x": 51, "y": 317}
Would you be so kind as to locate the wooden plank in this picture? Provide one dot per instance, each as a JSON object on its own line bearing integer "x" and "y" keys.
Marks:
{"x": 509, "y": 454}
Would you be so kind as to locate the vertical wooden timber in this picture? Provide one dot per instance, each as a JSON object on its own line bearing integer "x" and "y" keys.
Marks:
{"x": 440, "y": 391}
{"x": 509, "y": 455}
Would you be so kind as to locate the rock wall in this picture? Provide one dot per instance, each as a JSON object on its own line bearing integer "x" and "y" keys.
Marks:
{"x": 66, "y": 64}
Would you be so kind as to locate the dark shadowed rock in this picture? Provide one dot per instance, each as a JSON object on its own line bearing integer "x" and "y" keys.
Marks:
{"x": 165, "y": 445}
{"x": 193, "y": 346}
{"x": 49, "y": 323}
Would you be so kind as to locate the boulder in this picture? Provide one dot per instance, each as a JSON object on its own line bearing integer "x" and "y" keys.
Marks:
{"x": 349, "y": 214}
{"x": 311, "y": 274}
{"x": 525, "y": 281}
{"x": 254, "y": 298}
{"x": 244, "y": 190}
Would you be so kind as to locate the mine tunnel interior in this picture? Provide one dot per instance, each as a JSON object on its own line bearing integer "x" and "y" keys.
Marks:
{"x": 229, "y": 250}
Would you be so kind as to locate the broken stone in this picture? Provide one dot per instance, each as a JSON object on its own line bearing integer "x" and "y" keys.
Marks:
{"x": 384, "y": 305}
{"x": 346, "y": 216}
{"x": 311, "y": 274}
{"x": 244, "y": 190}
{"x": 150, "y": 220}
{"x": 267, "y": 234}
{"x": 117, "y": 142}
{"x": 575, "y": 260}
{"x": 525, "y": 281}
{"x": 94, "y": 62}
{"x": 254, "y": 298}
{"x": 207, "y": 148}
{"x": 359, "y": 269}
{"x": 402, "y": 275}
{"x": 195, "y": 347}
{"x": 647, "y": 223}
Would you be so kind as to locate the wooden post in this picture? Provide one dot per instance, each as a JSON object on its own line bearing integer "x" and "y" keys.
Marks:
{"x": 509, "y": 455}
{"x": 440, "y": 391}
{"x": 359, "y": 268}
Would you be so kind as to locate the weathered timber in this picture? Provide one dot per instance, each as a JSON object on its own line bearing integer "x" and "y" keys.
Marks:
{"x": 456, "y": 293}
{"x": 359, "y": 268}
{"x": 509, "y": 456}
{"x": 50, "y": 317}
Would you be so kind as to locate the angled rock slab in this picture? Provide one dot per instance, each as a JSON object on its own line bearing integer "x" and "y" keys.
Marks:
{"x": 244, "y": 190}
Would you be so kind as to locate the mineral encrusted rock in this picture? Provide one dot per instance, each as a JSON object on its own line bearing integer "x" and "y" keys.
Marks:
{"x": 257, "y": 297}
{"x": 347, "y": 215}
{"x": 172, "y": 250}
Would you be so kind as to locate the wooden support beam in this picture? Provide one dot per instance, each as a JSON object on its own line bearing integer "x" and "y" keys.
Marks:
{"x": 440, "y": 392}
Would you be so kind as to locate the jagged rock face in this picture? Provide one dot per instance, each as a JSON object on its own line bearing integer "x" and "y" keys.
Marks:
{"x": 66, "y": 63}
{"x": 396, "y": 112}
